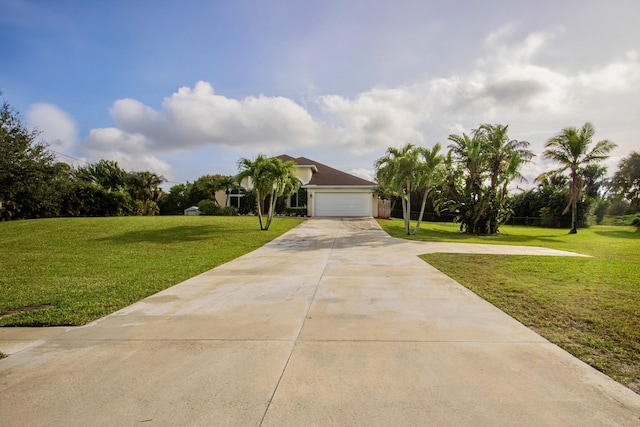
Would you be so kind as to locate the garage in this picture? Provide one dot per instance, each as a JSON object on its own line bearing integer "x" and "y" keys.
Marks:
{"x": 342, "y": 204}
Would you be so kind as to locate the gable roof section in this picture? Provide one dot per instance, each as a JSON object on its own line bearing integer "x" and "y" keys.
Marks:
{"x": 326, "y": 175}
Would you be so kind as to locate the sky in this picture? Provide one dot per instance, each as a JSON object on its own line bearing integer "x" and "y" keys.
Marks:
{"x": 185, "y": 89}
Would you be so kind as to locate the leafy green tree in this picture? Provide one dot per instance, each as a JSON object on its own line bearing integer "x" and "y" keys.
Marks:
{"x": 176, "y": 201}
{"x": 626, "y": 180}
{"x": 270, "y": 178}
{"x": 571, "y": 148}
{"x": 27, "y": 169}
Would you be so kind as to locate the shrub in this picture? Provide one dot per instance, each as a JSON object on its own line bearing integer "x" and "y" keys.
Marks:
{"x": 228, "y": 211}
{"x": 546, "y": 217}
{"x": 208, "y": 207}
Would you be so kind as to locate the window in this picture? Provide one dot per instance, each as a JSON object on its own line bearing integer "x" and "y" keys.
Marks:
{"x": 235, "y": 198}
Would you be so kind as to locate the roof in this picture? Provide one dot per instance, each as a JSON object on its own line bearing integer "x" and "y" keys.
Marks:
{"x": 326, "y": 175}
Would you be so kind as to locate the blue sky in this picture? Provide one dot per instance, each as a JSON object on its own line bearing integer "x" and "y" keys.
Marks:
{"x": 187, "y": 88}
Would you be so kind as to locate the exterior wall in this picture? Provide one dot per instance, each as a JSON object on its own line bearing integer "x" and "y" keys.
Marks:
{"x": 221, "y": 197}
{"x": 304, "y": 174}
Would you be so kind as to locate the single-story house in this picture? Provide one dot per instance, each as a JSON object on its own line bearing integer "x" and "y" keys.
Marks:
{"x": 329, "y": 191}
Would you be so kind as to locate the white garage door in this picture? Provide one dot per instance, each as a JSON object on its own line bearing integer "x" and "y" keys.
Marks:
{"x": 342, "y": 204}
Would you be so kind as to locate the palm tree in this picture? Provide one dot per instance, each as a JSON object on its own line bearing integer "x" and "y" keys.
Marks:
{"x": 571, "y": 148}
{"x": 227, "y": 183}
{"x": 504, "y": 157}
{"x": 271, "y": 178}
{"x": 144, "y": 186}
{"x": 429, "y": 173}
{"x": 488, "y": 162}
{"x": 469, "y": 158}
{"x": 396, "y": 171}
{"x": 626, "y": 180}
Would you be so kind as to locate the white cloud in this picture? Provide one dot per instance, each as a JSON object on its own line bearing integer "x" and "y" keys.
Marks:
{"x": 194, "y": 117}
{"x": 363, "y": 173}
{"x": 131, "y": 151}
{"x": 507, "y": 85}
{"x": 57, "y": 127}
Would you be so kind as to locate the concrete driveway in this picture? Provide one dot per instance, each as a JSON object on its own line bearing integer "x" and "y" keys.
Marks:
{"x": 332, "y": 324}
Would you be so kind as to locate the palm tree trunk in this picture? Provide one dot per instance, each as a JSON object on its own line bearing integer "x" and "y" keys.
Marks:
{"x": 424, "y": 203}
{"x": 259, "y": 203}
{"x": 574, "y": 217}
{"x": 272, "y": 208}
{"x": 573, "y": 193}
{"x": 404, "y": 210}
{"x": 407, "y": 221}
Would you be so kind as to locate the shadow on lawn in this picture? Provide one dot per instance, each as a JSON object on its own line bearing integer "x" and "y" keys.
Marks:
{"x": 620, "y": 234}
{"x": 500, "y": 238}
{"x": 178, "y": 234}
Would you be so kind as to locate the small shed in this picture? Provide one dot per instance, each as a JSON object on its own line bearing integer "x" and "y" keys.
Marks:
{"x": 192, "y": 211}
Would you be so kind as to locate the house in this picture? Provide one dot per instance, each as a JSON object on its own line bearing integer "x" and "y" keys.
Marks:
{"x": 330, "y": 192}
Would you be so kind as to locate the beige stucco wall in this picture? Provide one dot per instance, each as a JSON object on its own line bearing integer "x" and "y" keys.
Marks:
{"x": 221, "y": 197}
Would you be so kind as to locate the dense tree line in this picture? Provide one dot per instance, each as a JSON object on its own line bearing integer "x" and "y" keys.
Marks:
{"x": 472, "y": 184}
{"x": 34, "y": 185}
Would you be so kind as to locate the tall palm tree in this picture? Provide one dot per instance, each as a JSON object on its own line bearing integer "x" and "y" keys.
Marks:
{"x": 397, "y": 170}
{"x": 271, "y": 178}
{"x": 429, "y": 173}
{"x": 503, "y": 157}
{"x": 469, "y": 157}
{"x": 571, "y": 148}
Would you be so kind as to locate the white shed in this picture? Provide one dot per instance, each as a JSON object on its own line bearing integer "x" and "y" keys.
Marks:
{"x": 192, "y": 211}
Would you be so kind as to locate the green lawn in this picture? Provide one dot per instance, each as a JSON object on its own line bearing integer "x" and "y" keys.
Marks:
{"x": 70, "y": 271}
{"x": 588, "y": 306}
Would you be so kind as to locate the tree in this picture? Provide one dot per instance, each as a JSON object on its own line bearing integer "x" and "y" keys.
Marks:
{"x": 571, "y": 148}
{"x": 486, "y": 163}
{"x": 104, "y": 173}
{"x": 144, "y": 187}
{"x": 396, "y": 171}
{"x": 271, "y": 178}
{"x": 626, "y": 180}
{"x": 429, "y": 174}
{"x": 27, "y": 169}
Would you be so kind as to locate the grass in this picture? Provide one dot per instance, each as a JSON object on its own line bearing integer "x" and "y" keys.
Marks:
{"x": 70, "y": 271}
{"x": 588, "y": 306}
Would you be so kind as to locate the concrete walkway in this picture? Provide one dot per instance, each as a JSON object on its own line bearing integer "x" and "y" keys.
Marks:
{"x": 332, "y": 324}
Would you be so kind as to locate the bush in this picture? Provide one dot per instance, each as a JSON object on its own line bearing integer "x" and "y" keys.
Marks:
{"x": 228, "y": 211}
{"x": 208, "y": 207}
{"x": 546, "y": 217}
{"x": 295, "y": 211}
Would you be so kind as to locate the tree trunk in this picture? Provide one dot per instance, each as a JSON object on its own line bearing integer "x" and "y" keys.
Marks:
{"x": 272, "y": 208}
{"x": 404, "y": 211}
{"x": 574, "y": 219}
{"x": 424, "y": 203}
{"x": 259, "y": 203}
{"x": 407, "y": 221}
{"x": 574, "y": 204}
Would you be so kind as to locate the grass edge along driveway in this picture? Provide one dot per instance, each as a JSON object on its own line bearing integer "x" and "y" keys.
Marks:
{"x": 588, "y": 306}
{"x": 71, "y": 271}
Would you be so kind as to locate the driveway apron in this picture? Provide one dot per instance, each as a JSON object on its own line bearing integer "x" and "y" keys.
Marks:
{"x": 332, "y": 324}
